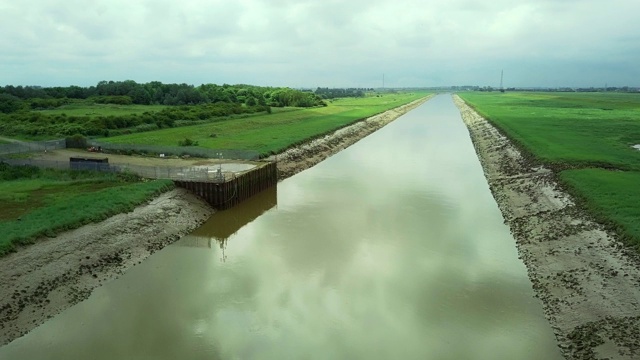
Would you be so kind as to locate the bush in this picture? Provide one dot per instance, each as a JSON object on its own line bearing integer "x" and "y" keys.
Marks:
{"x": 9, "y": 103}
{"x": 112, "y": 99}
{"x": 187, "y": 142}
{"x": 8, "y": 172}
{"x": 77, "y": 141}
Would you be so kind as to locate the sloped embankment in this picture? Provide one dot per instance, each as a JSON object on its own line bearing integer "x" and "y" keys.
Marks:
{"x": 299, "y": 158}
{"x": 588, "y": 282}
{"x": 41, "y": 280}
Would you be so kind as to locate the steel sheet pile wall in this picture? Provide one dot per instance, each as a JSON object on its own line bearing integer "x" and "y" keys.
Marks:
{"x": 225, "y": 195}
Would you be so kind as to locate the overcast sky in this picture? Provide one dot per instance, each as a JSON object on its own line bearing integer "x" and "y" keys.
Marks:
{"x": 330, "y": 43}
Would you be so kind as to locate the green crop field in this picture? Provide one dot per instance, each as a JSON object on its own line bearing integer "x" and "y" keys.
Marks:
{"x": 88, "y": 109}
{"x": 39, "y": 202}
{"x": 587, "y": 138}
{"x": 274, "y": 132}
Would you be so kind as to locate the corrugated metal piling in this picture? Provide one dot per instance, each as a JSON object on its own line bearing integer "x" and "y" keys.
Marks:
{"x": 225, "y": 195}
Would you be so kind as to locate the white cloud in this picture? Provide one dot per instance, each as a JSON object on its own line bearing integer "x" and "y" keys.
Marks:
{"x": 319, "y": 43}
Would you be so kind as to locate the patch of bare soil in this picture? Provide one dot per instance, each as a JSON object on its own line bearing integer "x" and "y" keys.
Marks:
{"x": 588, "y": 281}
{"x": 42, "y": 280}
{"x": 299, "y": 158}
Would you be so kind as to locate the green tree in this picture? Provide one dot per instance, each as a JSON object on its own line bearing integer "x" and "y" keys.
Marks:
{"x": 140, "y": 95}
{"x": 9, "y": 103}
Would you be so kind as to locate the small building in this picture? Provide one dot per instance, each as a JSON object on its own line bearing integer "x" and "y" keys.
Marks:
{"x": 89, "y": 163}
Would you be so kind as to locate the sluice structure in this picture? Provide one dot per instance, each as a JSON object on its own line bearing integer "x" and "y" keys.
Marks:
{"x": 226, "y": 194}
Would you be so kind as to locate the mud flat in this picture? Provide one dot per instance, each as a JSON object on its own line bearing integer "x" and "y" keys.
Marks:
{"x": 42, "y": 280}
{"x": 299, "y": 158}
{"x": 588, "y": 282}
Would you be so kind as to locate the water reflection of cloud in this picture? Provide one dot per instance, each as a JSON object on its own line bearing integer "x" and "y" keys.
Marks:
{"x": 354, "y": 263}
{"x": 359, "y": 286}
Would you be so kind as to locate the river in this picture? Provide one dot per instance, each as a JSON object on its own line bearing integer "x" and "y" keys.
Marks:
{"x": 392, "y": 249}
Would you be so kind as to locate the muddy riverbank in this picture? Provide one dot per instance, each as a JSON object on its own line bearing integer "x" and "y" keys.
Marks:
{"x": 587, "y": 281}
{"x": 299, "y": 158}
{"x": 42, "y": 280}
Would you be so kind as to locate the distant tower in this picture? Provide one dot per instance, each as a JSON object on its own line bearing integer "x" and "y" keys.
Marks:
{"x": 501, "y": 77}
{"x": 382, "y": 81}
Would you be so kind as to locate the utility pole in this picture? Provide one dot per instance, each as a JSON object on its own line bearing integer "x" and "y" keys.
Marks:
{"x": 501, "y": 78}
{"x": 383, "y": 81}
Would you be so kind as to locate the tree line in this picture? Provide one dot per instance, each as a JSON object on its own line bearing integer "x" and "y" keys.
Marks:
{"x": 35, "y": 124}
{"x": 15, "y": 98}
{"x": 186, "y": 105}
{"x": 327, "y": 93}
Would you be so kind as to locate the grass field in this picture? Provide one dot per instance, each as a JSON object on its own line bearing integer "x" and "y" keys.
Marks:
{"x": 274, "y": 132}
{"x": 39, "y": 202}
{"x": 568, "y": 130}
{"x": 85, "y": 109}
{"x": 587, "y": 137}
{"x": 612, "y": 196}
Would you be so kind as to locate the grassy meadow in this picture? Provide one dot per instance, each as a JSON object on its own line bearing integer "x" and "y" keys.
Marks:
{"x": 587, "y": 138}
{"x": 570, "y": 130}
{"x": 271, "y": 133}
{"x": 611, "y": 196}
{"x": 37, "y": 202}
{"x": 92, "y": 109}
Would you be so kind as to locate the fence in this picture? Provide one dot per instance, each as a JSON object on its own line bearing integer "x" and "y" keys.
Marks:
{"x": 221, "y": 190}
{"x": 177, "y": 150}
{"x": 199, "y": 173}
{"x": 26, "y": 147}
{"x": 21, "y": 147}
{"x": 227, "y": 194}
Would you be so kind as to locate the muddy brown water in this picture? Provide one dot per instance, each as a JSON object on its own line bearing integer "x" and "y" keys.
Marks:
{"x": 391, "y": 249}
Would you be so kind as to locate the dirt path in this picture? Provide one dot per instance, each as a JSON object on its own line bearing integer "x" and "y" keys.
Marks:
{"x": 40, "y": 281}
{"x": 587, "y": 281}
{"x": 299, "y": 158}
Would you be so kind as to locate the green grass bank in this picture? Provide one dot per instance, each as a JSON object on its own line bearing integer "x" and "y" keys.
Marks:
{"x": 586, "y": 138}
{"x": 39, "y": 202}
{"x": 94, "y": 110}
{"x": 272, "y": 133}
